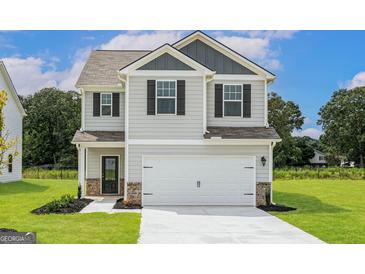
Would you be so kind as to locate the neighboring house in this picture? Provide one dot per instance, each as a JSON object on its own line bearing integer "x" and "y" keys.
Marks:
{"x": 319, "y": 158}
{"x": 13, "y": 118}
{"x": 185, "y": 124}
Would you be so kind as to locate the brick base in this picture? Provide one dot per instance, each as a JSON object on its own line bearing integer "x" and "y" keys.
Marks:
{"x": 134, "y": 193}
{"x": 93, "y": 187}
{"x": 263, "y": 193}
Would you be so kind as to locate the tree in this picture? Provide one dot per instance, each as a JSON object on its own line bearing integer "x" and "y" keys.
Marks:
{"x": 52, "y": 118}
{"x": 6, "y": 143}
{"x": 343, "y": 122}
{"x": 285, "y": 116}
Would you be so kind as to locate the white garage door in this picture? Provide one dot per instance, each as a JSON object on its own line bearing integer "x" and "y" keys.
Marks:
{"x": 198, "y": 180}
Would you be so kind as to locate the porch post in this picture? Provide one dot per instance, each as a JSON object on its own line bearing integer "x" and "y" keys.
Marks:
{"x": 81, "y": 169}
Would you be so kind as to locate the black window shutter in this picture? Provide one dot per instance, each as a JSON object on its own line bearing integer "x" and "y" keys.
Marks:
{"x": 180, "y": 109}
{"x": 246, "y": 98}
{"x": 116, "y": 104}
{"x": 218, "y": 109}
{"x": 151, "y": 97}
{"x": 96, "y": 104}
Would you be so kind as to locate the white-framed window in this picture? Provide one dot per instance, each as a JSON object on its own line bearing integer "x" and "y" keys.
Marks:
{"x": 106, "y": 104}
{"x": 166, "y": 96}
{"x": 232, "y": 100}
{"x": 321, "y": 158}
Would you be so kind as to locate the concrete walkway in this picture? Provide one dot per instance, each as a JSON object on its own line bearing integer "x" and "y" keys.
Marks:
{"x": 217, "y": 224}
{"x": 105, "y": 204}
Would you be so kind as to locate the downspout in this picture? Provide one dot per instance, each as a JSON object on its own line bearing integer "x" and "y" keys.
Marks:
{"x": 206, "y": 80}
{"x": 125, "y": 81}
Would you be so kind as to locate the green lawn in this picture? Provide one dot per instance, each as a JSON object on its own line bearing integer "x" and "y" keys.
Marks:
{"x": 19, "y": 198}
{"x": 332, "y": 210}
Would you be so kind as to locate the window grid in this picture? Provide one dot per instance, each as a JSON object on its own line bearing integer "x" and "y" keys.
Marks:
{"x": 165, "y": 90}
{"x": 232, "y": 94}
{"x": 106, "y": 104}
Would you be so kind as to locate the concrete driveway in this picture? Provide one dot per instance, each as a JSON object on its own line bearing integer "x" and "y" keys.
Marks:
{"x": 217, "y": 224}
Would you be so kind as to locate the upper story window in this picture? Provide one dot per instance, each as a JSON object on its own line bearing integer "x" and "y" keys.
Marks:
{"x": 10, "y": 163}
{"x": 232, "y": 100}
{"x": 321, "y": 158}
{"x": 106, "y": 104}
{"x": 166, "y": 97}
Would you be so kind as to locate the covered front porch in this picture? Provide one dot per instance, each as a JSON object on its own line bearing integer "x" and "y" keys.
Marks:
{"x": 101, "y": 158}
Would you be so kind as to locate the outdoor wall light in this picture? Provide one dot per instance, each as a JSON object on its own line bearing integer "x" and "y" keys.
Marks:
{"x": 263, "y": 160}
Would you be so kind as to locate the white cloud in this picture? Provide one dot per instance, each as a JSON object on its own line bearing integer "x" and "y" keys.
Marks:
{"x": 310, "y": 132}
{"x": 31, "y": 74}
{"x": 256, "y": 45}
{"x": 142, "y": 40}
{"x": 357, "y": 81}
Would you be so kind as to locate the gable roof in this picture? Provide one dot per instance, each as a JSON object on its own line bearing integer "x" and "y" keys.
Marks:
{"x": 166, "y": 48}
{"x": 225, "y": 50}
{"x": 102, "y": 66}
{"x": 11, "y": 87}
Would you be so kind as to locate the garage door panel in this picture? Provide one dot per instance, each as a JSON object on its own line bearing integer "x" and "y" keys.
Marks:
{"x": 224, "y": 180}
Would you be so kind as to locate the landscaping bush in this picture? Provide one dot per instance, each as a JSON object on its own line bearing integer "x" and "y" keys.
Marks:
{"x": 290, "y": 173}
{"x": 66, "y": 204}
{"x": 43, "y": 173}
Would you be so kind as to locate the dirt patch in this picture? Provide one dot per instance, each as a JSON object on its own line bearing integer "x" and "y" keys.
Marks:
{"x": 277, "y": 208}
{"x": 7, "y": 230}
{"x": 120, "y": 205}
{"x": 75, "y": 206}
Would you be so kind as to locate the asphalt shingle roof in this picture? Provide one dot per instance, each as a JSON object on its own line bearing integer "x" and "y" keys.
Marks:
{"x": 242, "y": 133}
{"x": 102, "y": 66}
{"x": 98, "y": 136}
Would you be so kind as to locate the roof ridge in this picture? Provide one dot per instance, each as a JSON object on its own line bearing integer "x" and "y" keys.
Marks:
{"x": 135, "y": 50}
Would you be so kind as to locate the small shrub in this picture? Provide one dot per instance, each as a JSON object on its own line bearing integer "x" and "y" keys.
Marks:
{"x": 127, "y": 202}
{"x": 63, "y": 202}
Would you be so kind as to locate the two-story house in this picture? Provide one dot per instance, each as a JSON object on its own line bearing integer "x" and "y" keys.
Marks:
{"x": 185, "y": 124}
{"x": 11, "y": 169}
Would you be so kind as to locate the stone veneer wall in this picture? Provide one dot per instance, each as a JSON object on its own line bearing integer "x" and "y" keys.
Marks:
{"x": 262, "y": 189}
{"x": 93, "y": 187}
{"x": 134, "y": 193}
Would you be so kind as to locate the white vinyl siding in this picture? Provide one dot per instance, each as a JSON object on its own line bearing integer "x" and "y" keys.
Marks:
{"x": 143, "y": 126}
{"x": 136, "y": 152}
{"x": 257, "y": 106}
{"x": 93, "y": 161}
{"x": 14, "y": 125}
{"x": 107, "y": 123}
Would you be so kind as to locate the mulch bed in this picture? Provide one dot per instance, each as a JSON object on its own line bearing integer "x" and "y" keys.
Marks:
{"x": 76, "y": 206}
{"x": 276, "y": 207}
{"x": 7, "y": 230}
{"x": 119, "y": 205}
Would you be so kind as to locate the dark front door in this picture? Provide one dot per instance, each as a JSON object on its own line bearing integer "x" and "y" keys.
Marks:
{"x": 109, "y": 174}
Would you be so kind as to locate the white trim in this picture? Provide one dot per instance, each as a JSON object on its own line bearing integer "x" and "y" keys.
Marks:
{"x": 271, "y": 147}
{"x": 81, "y": 169}
{"x": 224, "y": 100}
{"x": 169, "y": 73}
{"x": 170, "y": 50}
{"x": 237, "y": 77}
{"x": 11, "y": 88}
{"x": 165, "y": 97}
{"x": 100, "y": 144}
{"x": 101, "y": 173}
{"x": 204, "y": 104}
{"x": 83, "y": 108}
{"x": 101, "y": 104}
{"x": 199, "y": 142}
{"x": 266, "y": 123}
{"x": 198, "y": 156}
{"x": 126, "y": 136}
{"x": 224, "y": 50}
{"x": 101, "y": 88}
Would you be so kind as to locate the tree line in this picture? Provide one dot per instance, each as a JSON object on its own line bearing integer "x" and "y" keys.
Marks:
{"x": 54, "y": 115}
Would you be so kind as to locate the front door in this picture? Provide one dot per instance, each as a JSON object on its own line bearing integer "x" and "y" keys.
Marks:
{"x": 109, "y": 174}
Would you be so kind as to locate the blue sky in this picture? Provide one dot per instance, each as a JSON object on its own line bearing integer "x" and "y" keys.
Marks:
{"x": 309, "y": 65}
